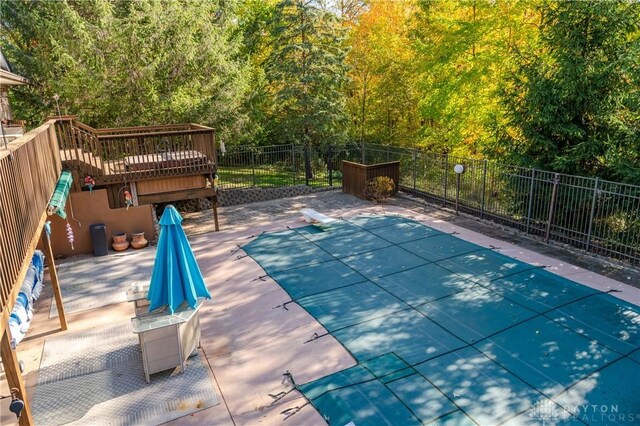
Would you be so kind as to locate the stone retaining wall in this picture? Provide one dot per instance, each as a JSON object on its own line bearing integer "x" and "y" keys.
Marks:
{"x": 235, "y": 196}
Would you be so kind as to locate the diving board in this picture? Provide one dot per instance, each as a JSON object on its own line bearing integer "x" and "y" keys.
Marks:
{"x": 313, "y": 216}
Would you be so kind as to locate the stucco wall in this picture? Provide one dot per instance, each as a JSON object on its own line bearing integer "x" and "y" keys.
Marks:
{"x": 90, "y": 208}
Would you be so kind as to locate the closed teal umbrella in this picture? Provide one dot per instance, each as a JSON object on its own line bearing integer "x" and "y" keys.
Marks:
{"x": 59, "y": 197}
{"x": 176, "y": 277}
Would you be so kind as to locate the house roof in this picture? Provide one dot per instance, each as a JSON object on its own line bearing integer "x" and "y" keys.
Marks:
{"x": 7, "y": 77}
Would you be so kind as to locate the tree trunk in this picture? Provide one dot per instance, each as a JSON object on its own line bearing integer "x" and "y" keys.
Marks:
{"x": 308, "y": 173}
{"x": 306, "y": 140}
{"x": 363, "y": 113}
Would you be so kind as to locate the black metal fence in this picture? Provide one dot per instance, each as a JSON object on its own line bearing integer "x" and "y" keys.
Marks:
{"x": 283, "y": 165}
{"x": 589, "y": 213}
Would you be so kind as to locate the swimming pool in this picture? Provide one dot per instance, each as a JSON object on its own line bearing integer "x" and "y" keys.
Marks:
{"x": 448, "y": 332}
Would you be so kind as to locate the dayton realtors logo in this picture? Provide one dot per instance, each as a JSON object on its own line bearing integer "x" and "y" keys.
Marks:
{"x": 545, "y": 411}
{"x": 603, "y": 414}
{"x": 548, "y": 413}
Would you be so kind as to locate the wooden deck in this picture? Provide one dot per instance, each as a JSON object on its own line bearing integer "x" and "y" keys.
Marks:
{"x": 29, "y": 170}
{"x": 130, "y": 154}
{"x": 150, "y": 158}
{"x": 30, "y": 167}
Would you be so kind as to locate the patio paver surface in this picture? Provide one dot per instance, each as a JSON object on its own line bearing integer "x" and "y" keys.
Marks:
{"x": 249, "y": 341}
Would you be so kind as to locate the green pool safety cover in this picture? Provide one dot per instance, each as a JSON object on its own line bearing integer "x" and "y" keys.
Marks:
{"x": 446, "y": 332}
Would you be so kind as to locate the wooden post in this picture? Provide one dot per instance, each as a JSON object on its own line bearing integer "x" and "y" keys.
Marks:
{"x": 55, "y": 285}
{"x": 77, "y": 186}
{"x": 14, "y": 376}
{"x": 214, "y": 206}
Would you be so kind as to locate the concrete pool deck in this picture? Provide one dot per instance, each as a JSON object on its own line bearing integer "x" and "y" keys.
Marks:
{"x": 249, "y": 342}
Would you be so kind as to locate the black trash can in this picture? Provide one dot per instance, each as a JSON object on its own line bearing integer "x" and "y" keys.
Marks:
{"x": 98, "y": 233}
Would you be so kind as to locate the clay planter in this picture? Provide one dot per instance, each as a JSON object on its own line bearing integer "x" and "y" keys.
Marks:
{"x": 120, "y": 241}
{"x": 138, "y": 241}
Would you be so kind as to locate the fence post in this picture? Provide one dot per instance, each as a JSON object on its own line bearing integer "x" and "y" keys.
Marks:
{"x": 253, "y": 168}
{"x": 457, "y": 191}
{"x": 415, "y": 164}
{"x": 330, "y": 164}
{"x": 307, "y": 163}
{"x": 593, "y": 210}
{"x": 533, "y": 181}
{"x": 484, "y": 188}
{"x": 446, "y": 183}
{"x": 293, "y": 162}
{"x": 552, "y": 207}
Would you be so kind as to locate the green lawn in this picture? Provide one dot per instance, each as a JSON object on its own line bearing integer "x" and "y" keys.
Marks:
{"x": 243, "y": 177}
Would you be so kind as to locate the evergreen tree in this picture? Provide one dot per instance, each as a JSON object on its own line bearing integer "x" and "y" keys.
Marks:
{"x": 122, "y": 62}
{"x": 254, "y": 26}
{"x": 48, "y": 43}
{"x": 306, "y": 72}
{"x": 573, "y": 104}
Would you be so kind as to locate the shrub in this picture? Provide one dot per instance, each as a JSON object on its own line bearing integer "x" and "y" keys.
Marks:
{"x": 379, "y": 189}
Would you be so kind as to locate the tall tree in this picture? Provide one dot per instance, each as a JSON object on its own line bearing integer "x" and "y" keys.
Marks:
{"x": 45, "y": 41}
{"x": 463, "y": 47}
{"x": 306, "y": 71}
{"x": 254, "y": 26}
{"x": 573, "y": 104}
{"x": 121, "y": 62}
{"x": 349, "y": 10}
{"x": 383, "y": 99}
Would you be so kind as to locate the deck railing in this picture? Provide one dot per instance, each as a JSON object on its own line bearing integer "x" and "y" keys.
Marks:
{"x": 16, "y": 123}
{"x": 29, "y": 170}
{"x": 115, "y": 155}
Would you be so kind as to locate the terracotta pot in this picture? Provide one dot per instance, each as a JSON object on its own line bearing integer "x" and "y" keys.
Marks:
{"x": 138, "y": 240}
{"x": 120, "y": 241}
